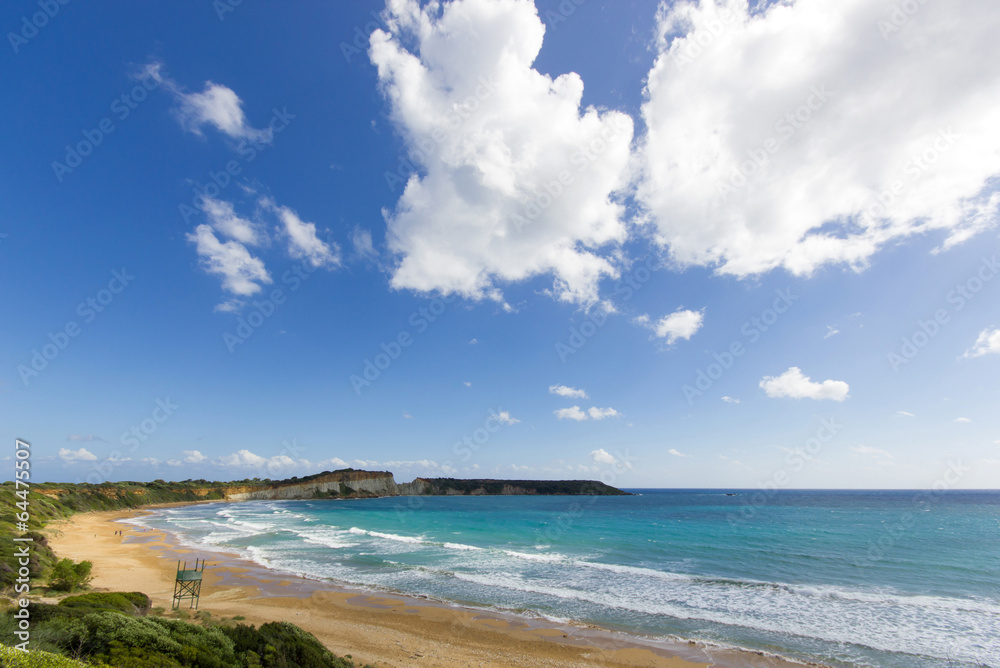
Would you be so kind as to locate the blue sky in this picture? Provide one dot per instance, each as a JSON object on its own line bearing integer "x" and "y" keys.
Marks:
{"x": 570, "y": 220}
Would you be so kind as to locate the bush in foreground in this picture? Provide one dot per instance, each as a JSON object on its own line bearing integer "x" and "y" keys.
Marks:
{"x": 112, "y": 628}
{"x": 14, "y": 658}
{"x": 68, "y": 576}
{"x": 132, "y": 603}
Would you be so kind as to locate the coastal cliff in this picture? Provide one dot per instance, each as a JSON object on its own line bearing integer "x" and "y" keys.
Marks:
{"x": 341, "y": 484}
{"x": 487, "y": 487}
{"x": 349, "y": 483}
{"x": 333, "y": 484}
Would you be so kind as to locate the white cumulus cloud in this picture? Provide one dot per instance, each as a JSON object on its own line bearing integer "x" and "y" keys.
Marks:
{"x": 596, "y": 413}
{"x": 217, "y": 105}
{"x": 303, "y": 244}
{"x": 795, "y": 385}
{"x": 513, "y": 179}
{"x": 681, "y": 324}
{"x": 602, "y": 456}
{"x": 564, "y": 391}
{"x": 988, "y": 342}
{"x": 193, "y": 457}
{"x": 802, "y": 133}
{"x": 242, "y": 273}
{"x": 593, "y": 413}
{"x": 224, "y": 219}
{"x": 676, "y": 453}
{"x": 242, "y": 458}
{"x": 504, "y": 417}
{"x": 572, "y": 413}
{"x": 81, "y": 455}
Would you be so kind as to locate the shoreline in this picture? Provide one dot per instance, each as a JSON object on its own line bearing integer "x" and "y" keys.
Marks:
{"x": 386, "y": 629}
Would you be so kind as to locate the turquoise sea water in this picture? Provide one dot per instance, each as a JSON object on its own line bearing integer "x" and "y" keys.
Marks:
{"x": 907, "y": 579}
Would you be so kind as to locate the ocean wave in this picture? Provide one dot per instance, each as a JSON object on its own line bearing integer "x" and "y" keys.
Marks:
{"x": 550, "y": 558}
{"x": 387, "y": 536}
{"x": 461, "y": 547}
{"x": 882, "y": 627}
{"x": 326, "y": 538}
{"x": 415, "y": 540}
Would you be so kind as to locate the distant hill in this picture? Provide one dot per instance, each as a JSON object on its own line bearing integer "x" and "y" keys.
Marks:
{"x": 341, "y": 484}
{"x": 485, "y": 487}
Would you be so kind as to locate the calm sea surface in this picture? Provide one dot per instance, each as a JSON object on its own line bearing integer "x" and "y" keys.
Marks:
{"x": 907, "y": 579}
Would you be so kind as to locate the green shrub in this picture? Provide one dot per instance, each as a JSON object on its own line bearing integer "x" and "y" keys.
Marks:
{"x": 121, "y": 656}
{"x": 281, "y": 645}
{"x": 211, "y": 644}
{"x": 62, "y": 635}
{"x": 15, "y": 658}
{"x": 103, "y": 628}
{"x": 131, "y": 603}
{"x": 142, "y": 632}
{"x": 67, "y": 576}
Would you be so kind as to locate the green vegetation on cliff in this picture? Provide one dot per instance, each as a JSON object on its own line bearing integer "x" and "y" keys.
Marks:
{"x": 450, "y": 486}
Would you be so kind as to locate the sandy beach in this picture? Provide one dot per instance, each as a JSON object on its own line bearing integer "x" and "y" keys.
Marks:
{"x": 385, "y": 630}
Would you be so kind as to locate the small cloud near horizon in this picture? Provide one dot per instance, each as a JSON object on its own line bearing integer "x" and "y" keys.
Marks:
{"x": 602, "y": 456}
{"x": 865, "y": 450}
{"x": 85, "y": 438}
{"x": 71, "y": 456}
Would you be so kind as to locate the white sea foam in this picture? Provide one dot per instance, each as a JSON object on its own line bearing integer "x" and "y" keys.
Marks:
{"x": 461, "y": 547}
{"x": 416, "y": 540}
{"x": 542, "y": 558}
{"x": 883, "y": 621}
{"x": 333, "y": 539}
{"x": 387, "y": 536}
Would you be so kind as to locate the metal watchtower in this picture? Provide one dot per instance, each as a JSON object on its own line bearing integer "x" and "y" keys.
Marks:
{"x": 188, "y": 583}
